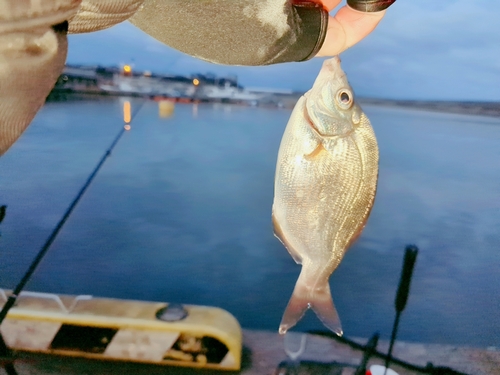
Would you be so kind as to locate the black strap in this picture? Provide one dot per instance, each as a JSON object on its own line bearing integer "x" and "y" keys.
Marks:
{"x": 370, "y": 5}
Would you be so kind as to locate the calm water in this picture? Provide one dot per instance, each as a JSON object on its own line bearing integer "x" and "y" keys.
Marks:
{"x": 181, "y": 213}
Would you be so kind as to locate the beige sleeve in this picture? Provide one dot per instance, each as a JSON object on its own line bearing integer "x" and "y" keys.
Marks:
{"x": 33, "y": 43}
{"x": 95, "y": 15}
{"x": 237, "y": 32}
{"x": 33, "y": 49}
{"x": 233, "y": 32}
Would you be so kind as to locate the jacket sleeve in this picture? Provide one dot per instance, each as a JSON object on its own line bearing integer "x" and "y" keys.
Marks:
{"x": 237, "y": 32}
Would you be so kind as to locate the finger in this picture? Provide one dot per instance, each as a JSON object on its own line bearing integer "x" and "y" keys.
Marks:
{"x": 347, "y": 28}
{"x": 330, "y": 4}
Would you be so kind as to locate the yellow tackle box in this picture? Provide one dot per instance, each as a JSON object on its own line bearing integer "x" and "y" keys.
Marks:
{"x": 127, "y": 330}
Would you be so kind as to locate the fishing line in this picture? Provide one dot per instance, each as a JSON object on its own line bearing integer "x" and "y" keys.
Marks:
{"x": 290, "y": 340}
{"x": 4, "y": 351}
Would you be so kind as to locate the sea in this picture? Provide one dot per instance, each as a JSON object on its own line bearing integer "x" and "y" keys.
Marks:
{"x": 181, "y": 212}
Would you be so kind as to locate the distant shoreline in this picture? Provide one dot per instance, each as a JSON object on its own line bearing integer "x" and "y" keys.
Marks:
{"x": 470, "y": 108}
{"x": 272, "y": 99}
{"x": 491, "y": 109}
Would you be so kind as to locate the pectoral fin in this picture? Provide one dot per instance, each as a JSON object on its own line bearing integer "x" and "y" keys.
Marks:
{"x": 315, "y": 153}
{"x": 278, "y": 233}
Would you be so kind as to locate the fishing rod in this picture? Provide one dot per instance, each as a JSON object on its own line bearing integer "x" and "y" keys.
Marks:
{"x": 368, "y": 352}
{"x": 402, "y": 295}
{"x": 410, "y": 257}
{"x": 428, "y": 369}
{"x": 11, "y": 300}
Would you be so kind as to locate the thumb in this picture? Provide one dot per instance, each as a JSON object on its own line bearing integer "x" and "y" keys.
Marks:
{"x": 347, "y": 28}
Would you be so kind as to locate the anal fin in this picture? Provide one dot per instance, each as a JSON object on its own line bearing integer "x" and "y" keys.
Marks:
{"x": 278, "y": 233}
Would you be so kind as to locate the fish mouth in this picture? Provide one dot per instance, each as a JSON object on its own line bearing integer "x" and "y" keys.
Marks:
{"x": 333, "y": 60}
{"x": 332, "y": 68}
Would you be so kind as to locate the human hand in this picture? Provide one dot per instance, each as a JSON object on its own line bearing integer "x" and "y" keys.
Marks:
{"x": 347, "y": 27}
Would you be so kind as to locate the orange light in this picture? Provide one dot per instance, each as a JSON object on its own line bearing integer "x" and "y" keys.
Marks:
{"x": 127, "y": 68}
{"x": 196, "y": 82}
{"x": 165, "y": 108}
{"x": 127, "y": 112}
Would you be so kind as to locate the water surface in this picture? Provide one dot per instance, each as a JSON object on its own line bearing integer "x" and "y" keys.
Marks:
{"x": 181, "y": 212}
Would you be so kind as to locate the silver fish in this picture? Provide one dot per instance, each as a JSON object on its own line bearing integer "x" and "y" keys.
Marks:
{"x": 326, "y": 179}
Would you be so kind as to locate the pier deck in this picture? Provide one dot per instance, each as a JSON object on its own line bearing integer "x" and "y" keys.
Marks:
{"x": 263, "y": 352}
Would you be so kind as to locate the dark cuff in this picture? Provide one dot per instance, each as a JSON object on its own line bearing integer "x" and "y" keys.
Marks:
{"x": 313, "y": 20}
{"x": 370, "y": 5}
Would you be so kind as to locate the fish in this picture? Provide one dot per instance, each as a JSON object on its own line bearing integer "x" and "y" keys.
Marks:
{"x": 324, "y": 190}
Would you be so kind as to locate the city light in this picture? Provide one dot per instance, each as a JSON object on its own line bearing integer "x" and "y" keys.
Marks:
{"x": 127, "y": 69}
{"x": 127, "y": 113}
{"x": 196, "y": 82}
{"x": 165, "y": 108}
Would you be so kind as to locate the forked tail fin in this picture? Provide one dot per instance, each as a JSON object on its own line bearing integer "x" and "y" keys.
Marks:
{"x": 317, "y": 297}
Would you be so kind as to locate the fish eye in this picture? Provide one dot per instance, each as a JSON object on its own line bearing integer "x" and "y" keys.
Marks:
{"x": 344, "y": 98}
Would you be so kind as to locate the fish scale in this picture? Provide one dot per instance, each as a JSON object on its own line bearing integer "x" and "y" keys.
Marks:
{"x": 325, "y": 184}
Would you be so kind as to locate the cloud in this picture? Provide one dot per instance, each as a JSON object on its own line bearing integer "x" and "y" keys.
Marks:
{"x": 423, "y": 49}
{"x": 431, "y": 50}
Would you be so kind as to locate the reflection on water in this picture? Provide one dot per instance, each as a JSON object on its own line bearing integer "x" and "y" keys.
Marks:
{"x": 181, "y": 213}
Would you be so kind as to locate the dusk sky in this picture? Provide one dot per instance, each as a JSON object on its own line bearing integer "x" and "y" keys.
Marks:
{"x": 423, "y": 49}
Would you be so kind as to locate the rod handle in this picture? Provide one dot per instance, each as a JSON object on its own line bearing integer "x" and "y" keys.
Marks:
{"x": 405, "y": 280}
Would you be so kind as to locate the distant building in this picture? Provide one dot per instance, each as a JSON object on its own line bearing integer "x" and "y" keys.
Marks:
{"x": 127, "y": 81}
{"x": 75, "y": 78}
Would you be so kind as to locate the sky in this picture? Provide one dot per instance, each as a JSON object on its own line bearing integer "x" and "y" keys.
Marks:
{"x": 422, "y": 49}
